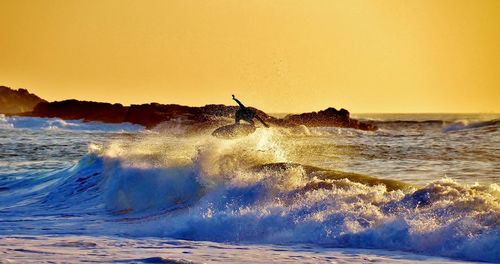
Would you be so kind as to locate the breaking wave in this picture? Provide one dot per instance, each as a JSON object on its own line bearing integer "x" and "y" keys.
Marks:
{"x": 22, "y": 122}
{"x": 246, "y": 191}
{"x": 446, "y": 122}
{"x": 465, "y": 125}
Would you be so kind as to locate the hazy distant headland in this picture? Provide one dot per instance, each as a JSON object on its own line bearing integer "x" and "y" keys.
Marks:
{"x": 17, "y": 101}
{"x": 21, "y": 102}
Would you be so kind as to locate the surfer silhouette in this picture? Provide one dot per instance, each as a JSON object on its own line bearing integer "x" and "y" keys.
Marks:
{"x": 247, "y": 114}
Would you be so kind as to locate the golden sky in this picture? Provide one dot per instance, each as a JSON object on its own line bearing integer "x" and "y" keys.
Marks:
{"x": 279, "y": 56}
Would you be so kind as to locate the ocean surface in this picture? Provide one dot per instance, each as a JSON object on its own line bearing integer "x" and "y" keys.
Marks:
{"x": 72, "y": 191}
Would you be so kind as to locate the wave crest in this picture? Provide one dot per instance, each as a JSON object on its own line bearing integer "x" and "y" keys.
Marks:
{"x": 244, "y": 190}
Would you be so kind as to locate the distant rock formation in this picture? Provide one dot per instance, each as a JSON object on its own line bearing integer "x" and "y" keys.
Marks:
{"x": 17, "y": 101}
{"x": 329, "y": 117}
{"x": 150, "y": 115}
{"x": 21, "y": 102}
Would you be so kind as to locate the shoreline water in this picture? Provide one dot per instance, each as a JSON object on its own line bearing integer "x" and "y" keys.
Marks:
{"x": 149, "y": 250}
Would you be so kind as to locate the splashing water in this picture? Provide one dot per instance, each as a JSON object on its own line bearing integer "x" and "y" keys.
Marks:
{"x": 261, "y": 189}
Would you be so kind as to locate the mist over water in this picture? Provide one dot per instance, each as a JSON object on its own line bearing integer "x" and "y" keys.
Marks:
{"x": 121, "y": 180}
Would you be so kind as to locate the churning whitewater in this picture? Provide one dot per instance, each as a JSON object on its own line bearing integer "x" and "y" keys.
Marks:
{"x": 421, "y": 187}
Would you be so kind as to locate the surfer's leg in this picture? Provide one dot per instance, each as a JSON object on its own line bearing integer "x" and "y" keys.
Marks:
{"x": 237, "y": 117}
{"x": 262, "y": 121}
{"x": 250, "y": 121}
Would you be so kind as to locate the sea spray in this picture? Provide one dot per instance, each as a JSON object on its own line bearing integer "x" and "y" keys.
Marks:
{"x": 261, "y": 189}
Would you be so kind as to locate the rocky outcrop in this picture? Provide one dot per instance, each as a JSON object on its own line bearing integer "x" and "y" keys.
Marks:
{"x": 150, "y": 115}
{"x": 329, "y": 117}
{"x": 74, "y": 109}
{"x": 21, "y": 102}
{"x": 17, "y": 101}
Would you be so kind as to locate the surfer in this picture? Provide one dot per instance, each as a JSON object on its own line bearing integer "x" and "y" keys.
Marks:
{"x": 247, "y": 114}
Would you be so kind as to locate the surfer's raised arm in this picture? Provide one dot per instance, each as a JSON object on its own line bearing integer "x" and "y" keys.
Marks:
{"x": 238, "y": 101}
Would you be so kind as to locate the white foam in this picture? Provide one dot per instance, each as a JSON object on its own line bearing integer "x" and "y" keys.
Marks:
{"x": 202, "y": 188}
{"x": 37, "y": 123}
{"x": 466, "y": 125}
{"x": 69, "y": 249}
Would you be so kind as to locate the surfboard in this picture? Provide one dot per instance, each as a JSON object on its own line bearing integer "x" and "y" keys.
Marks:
{"x": 233, "y": 131}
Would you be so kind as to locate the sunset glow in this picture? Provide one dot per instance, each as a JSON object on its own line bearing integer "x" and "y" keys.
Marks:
{"x": 280, "y": 56}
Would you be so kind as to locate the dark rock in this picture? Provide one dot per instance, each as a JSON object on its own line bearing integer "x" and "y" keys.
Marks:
{"x": 88, "y": 111}
{"x": 327, "y": 118}
{"x": 150, "y": 115}
{"x": 17, "y": 101}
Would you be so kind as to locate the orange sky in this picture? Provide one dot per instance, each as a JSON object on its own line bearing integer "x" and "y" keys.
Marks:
{"x": 280, "y": 56}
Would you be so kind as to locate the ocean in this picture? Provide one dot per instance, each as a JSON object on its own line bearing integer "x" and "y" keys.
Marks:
{"x": 423, "y": 188}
